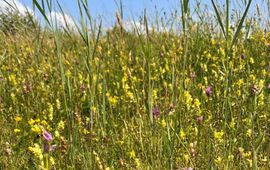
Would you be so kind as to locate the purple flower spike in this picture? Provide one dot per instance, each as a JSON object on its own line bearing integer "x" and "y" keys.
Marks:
{"x": 242, "y": 56}
{"x": 209, "y": 91}
{"x": 200, "y": 119}
{"x": 156, "y": 112}
{"x": 82, "y": 88}
{"x": 192, "y": 75}
{"x": 47, "y": 136}
{"x": 48, "y": 148}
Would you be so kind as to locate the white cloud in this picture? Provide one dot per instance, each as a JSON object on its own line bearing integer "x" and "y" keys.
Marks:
{"x": 132, "y": 26}
{"x": 62, "y": 20}
{"x": 16, "y": 6}
{"x": 57, "y": 18}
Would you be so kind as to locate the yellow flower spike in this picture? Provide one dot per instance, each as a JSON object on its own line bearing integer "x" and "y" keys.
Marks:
{"x": 36, "y": 129}
{"x": 87, "y": 119}
{"x": 182, "y": 134}
{"x": 219, "y": 135}
{"x": 52, "y": 161}
{"x": 188, "y": 99}
{"x": 263, "y": 72}
{"x": 13, "y": 97}
{"x": 252, "y": 77}
{"x": 196, "y": 103}
{"x": 205, "y": 80}
{"x": 249, "y": 162}
{"x": 248, "y": 133}
{"x": 18, "y": 118}
{"x": 132, "y": 154}
{"x": 50, "y": 109}
{"x": 208, "y": 56}
{"x": 251, "y": 60}
{"x": 240, "y": 83}
{"x": 85, "y": 131}
{"x": 263, "y": 63}
{"x": 232, "y": 123}
{"x": 68, "y": 73}
{"x": 12, "y": 79}
{"x": 43, "y": 122}
{"x": 247, "y": 154}
{"x": 264, "y": 159}
{"x": 61, "y": 125}
{"x": 17, "y": 130}
{"x": 31, "y": 122}
{"x": 186, "y": 158}
{"x": 37, "y": 151}
{"x": 130, "y": 95}
{"x": 138, "y": 163}
{"x": 154, "y": 94}
{"x": 187, "y": 81}
{"x": 261, "y": 83}
{"x": 163, "y": 123}
{"x": 241, "y": 150}
{"x": 230, "y": 157}
{"x": 196, "y": 131}
{"x": 218, "y": 160}
{"x": 56, "y": 134}
{"x": 113, "y": 100}
{"x": 80, "y": 77}
{"x": 261, "y": 100}
{"x": 93, "y": 109}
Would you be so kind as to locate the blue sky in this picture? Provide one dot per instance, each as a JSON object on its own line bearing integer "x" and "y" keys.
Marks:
{"x": 105, "y": 9}
{"x": 132, "y": 8}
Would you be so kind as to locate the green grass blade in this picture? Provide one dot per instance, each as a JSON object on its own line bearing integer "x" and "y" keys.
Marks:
{"x": 183, "y": 16}
{"x": 240, "y": 24}
{"x": 86, "y": 9}
{"x": 227, "y": 18}
{"x": 97, "y": 39}
{"x": 42, "y": 11}
{"x": 9, "y": 4}
{"x": 218, "y": 18}
{"x": 186, "y": 6}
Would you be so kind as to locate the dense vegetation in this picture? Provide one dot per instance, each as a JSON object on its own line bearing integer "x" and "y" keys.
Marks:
{"x": 195, "y": 99}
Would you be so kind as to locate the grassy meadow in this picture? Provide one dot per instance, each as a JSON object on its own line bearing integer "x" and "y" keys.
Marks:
{"x": 196, "y": 98}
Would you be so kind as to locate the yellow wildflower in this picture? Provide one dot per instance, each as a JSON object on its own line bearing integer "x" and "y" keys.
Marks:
{"x": 251, "y": 60}
{"x": 132, "y": 154}
{"x": 218, "y": 160}
{"x": 37, "y": 151}
{"x": 37, "y": 129}
{"x": 61, "y": 125}
{"x": 249, "y": 132}
{"x": 52, "y": 161}
{"x": 163, "y": 123}
{"x": 18, "y": 118}
{"x": 50, "y": 111}
{"x": 218, "y": 135}
{"x": 85, "y": 131}
{"x": 197, "y": 103}
{"x": 31, "y": 121}
{"x": 182, "y": 134}
{"x": 17, "y": 130}
{"x": 188, "y": 99}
